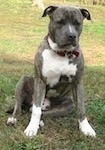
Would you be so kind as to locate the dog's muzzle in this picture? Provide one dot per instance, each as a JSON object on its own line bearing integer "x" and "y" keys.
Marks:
{"x": 68, "y": 39}
{"x": 71, "y": 39}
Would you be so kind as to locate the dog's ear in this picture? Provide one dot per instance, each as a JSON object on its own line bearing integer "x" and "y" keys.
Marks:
{"x": 86, "y": 14}
{"x": 49, "y": 10}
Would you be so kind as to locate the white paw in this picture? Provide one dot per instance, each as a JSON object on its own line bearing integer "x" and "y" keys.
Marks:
{"x": 46, "y": 104}
{"x": 41, "y": 123}
{"x": 85, "y": 127}
{"x": 31, "y": 131}
{"x": 33, "y": 126}
{"x": 11, "y": 120}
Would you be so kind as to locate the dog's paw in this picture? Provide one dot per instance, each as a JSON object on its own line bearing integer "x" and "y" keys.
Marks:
{"x": 86, "y": 129}
{"x": 31, "y": 131}
{"x": 41, "y": 123}
{"x": 11, "y": 121}
{"x": 46, "y": 104}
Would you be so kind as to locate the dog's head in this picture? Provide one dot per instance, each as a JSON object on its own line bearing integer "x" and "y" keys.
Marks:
{"x": 65, "y": 24}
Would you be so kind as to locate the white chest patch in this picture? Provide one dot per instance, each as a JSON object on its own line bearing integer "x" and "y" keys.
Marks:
{"x": 54, "y": 66}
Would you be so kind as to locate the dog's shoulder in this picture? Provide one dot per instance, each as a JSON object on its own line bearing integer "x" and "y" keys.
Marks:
{"x": 38, "y": 59}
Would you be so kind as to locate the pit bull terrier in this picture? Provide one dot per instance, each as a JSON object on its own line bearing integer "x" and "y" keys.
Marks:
{"x": 59, "y": 66}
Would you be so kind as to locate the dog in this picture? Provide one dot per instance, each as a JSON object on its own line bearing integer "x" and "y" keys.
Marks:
{"x": 39, "y": 3}
{"x": 59, "y": 66}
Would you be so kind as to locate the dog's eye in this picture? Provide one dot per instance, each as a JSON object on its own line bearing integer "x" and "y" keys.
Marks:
{"x": 76, "y": 23}
{"x": 60, "y": 21}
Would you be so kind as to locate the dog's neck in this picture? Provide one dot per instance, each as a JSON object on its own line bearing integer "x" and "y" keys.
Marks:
{"x": 52, "y": 45}
{"x": 62, "y": 52}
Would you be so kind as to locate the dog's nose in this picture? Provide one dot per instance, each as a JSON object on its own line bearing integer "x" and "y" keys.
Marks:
{"x": 72, "y": 36}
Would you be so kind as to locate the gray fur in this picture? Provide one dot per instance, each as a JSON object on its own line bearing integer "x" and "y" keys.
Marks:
{"x": 35, "y": 89}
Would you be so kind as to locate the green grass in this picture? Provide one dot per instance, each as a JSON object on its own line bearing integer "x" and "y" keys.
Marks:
{"x": 21, "y": 31}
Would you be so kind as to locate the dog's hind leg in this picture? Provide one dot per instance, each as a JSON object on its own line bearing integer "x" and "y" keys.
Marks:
{"x": 18, "y": 101}
{"x": 12, "y": 120}
{"x": 20, "y": 95}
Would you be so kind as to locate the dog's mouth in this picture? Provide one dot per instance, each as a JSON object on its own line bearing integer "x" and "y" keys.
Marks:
{"x": 62, "y": 45}
{"x": 67, "y": 45}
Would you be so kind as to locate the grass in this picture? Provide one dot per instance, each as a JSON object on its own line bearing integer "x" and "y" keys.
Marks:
{"x": 21, "y": 31}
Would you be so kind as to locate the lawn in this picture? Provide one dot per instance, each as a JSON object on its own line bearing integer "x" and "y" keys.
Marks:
{"x": 21, "y": 31}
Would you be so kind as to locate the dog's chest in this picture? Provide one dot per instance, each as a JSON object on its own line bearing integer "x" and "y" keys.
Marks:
{"x": 55, "y": 66}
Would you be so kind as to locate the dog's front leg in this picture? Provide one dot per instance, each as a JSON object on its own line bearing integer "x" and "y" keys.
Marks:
{"x": 78, "y": 94}
{"x": 38, "y": 98}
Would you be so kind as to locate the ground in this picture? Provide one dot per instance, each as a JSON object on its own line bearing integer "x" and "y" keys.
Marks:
{"x": 21, "y": 31}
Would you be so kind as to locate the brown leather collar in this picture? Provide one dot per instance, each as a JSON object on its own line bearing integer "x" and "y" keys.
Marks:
{"x": 68, "y": 53}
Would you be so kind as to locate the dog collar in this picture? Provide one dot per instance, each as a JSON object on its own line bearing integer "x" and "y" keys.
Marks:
{"x": 64, "y": 53}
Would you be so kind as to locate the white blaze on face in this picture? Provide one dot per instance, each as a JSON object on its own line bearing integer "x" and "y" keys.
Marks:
{"x": 70, "y": 29}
